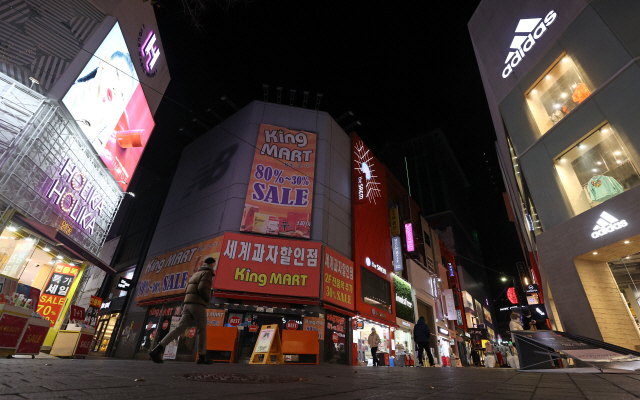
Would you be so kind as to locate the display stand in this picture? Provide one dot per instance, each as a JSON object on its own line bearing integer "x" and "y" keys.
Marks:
{"x": 33, "y": 337}
{"x": 268, "y": 349}
{"x": 301, "y": 343}
{"x": 222, "y": 339}
{"x": 13, "y": 321}
{"x": 73, "y": 342}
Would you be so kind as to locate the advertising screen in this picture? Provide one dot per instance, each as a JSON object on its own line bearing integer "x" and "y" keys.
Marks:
{"x": 279, "y": 198}
{"x": 109, "y": 105}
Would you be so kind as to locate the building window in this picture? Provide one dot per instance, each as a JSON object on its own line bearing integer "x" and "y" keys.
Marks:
{"x": 427, "y": 238}
{"x": 556, "y": 94}
{"x": 376, "y": 291}
{"x": 596, "y": 169}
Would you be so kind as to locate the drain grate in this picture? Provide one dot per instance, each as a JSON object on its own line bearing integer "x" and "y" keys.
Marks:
{"x": 241, "y": 378}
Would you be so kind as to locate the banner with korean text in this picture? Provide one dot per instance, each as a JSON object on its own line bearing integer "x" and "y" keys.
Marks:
{"x": 338, "y": 279}
{"x": 55, "y": 293}
{"x": 168, "y": 274}
{"x": 280, "y": 193}
{"x": 259, "y": 264}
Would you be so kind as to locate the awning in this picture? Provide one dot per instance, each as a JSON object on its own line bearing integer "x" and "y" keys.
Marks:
{"x": 58, "y": 238}
{"x": 340, "y": 310}
{"x": 264, "y": 297}
{"x": 378, "y": 320}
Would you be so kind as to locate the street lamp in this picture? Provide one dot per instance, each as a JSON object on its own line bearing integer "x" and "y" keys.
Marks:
{"x": 504, "y": 279}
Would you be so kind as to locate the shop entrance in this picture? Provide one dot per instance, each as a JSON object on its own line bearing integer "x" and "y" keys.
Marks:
{"x": 425, "y": 310}
{"x": 247, "y": 339}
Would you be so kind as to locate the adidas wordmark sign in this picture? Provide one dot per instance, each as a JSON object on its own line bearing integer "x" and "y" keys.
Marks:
{"x": 607, "y": 223}
{"x": 533, "y": 29}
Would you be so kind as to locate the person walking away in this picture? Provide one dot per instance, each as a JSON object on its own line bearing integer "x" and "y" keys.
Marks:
{"x": 528, "y": 323}
{"x": 374, "y": 341}
{"x": 475, "y": 357}
{"x": 515, "y": 325}
{"x": 198, "y": 294}
{"x": 421, "y": 335}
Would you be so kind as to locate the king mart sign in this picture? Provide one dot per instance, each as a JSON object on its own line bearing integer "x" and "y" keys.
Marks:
{"x": 527, "y": 32}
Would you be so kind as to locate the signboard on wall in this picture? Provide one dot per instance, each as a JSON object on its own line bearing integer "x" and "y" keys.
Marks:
{"x": 280, "y": 195}
{"x": 54, "y": 295}
{"x": 396, "y": 247}
{"x": 260, "y": 264}
{"x": 215, "y": 317}
{"x": 394, "y": 219}
{"x": 404, "y": 299}
{"x": 93, "y": 311}
{"x": 450, "y": 306}
{"x": 169, "y": 273}
{"x": 338, "y": 279}
{"x": 108, "y": 102}
{"x": 314, "y": 324}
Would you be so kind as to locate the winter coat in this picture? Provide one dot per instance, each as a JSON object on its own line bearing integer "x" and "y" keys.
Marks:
{"x": 199, "y": 287}
{"x": 421, "y": 332}
{"x": 515, "y": 325}
{"x": 374, "y": 340}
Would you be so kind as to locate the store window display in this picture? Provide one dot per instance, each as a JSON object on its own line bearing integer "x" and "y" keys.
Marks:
{"x": 557, "y": 93}
{"x": 596, "y": 169}
{"x": 362, "y": 335}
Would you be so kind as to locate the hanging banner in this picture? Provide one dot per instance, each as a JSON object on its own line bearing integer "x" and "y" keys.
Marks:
{"x": 280, "y": 195}
{"x": 394, "y": 219}
{"x": 450, "y": 305}
{"x": 93, "y": 311}
{"x": 396, "y": 248}
{"x": 55, "y": 293}
{"x": 259, "y": 264}
{"x": 338, "y": 279}
{"x": 169, "y": 273}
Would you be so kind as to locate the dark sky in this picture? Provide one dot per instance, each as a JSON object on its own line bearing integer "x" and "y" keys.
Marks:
{"x": 403, "y": 68}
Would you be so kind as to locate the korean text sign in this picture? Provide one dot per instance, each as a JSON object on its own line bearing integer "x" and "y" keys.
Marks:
{"x": 338, "y": 279}
{"x": 314, "y": 324}
{"x": 55, "y": 293}
{"x": 280, "y": 193}
{"x": 261, "y": 264}
{"x": 169, "y": 273}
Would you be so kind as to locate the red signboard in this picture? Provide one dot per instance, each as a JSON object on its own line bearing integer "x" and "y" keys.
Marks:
{"x": 292, "y": 325}
{"x": 76, "y": 313}
{"x": 32, "y": 339}
{"x": 338, "y": 279}
{"x": 192, "y": 332}
{"x": 84, "y": 343}
{"x": 253, "y": 328}
{"x": 258, "y": 264}
{"x": 55, "y": 293}
{"x": 93, "y": 311}
{"x": 165, "y": 324}
{"x": 11, "y": 327}
{"x": 235, "y": 321}
{"x": 335, "y": 337}
{"x": 371, "y": 238}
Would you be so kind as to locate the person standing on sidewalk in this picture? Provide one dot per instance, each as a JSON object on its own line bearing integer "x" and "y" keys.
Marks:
{"x": 198, "y": 294}
{"x": 374, "y": 341}
{"x": 421, "y": 335}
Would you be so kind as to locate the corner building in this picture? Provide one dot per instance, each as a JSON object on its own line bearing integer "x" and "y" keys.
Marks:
{"x": 562, "y": 81}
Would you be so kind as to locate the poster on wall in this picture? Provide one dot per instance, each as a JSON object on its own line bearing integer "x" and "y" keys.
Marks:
{"x": 171, "y": 350}
{"x": 450, "y": 305}
{"x": 169, "y": 273}
{"x": 215, "y": 317}
{"x": 280, "y": 195}
{"x": 314, "y": 324}
{"x": 108, "y": 102}
{"x": 54, "y": 296}
{"x": 338, "y": 279}
{"x": 260, "y": 264}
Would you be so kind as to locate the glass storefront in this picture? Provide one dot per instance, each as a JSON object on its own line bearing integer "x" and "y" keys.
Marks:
{"x": 596, "y": 169}
{"x": 158, "y": 324}
{"x": 404, "y": 341}
{"x": 335, "y": 339}
{"x": 556, "y": 94}
{"x": 103, "y": 333}
{"x": 361, "y": 336}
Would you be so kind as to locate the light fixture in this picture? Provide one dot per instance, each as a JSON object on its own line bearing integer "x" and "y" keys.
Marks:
{"x": 130, "y": 194}
{"x": 599, "y": 163}
{"x": 548, "y": 77}
{"x": 595, "y": 252}
{"x": 594, "y": 170}
{"x": 628, "y": 257}
{"x": 46, "y": 249}
{"x": 616, "y": 153}
{"x": 439, "y": 280}
{"x": 626, "y": 242}
{"x": 565, "y": 59}
{"x": 582, "y": 146}
{"x": 563, "y": 159}
{"x": 27, "y": 259}
{"x": 59, "y": 257}
{"x": 12, "y": 228}
{"x": 526, "y": 281}
{"x": 503, "y": 279}
{"x": 29, "y": 239}
{"x": 556, "y": 106}
{"x": 563, "y": 95}
{"x": 3, "y": 237}
{"x": 619, "y": 162}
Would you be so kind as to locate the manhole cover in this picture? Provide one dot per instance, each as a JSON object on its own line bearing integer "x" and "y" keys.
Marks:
{"x": 241, "y": 378}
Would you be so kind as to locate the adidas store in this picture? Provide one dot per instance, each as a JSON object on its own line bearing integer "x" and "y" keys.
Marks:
{"x": 562, "y": 80}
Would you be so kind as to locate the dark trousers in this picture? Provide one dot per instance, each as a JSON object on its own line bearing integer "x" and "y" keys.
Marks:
{"x": 374, "y": 354}
{"x": 425, "y": 346}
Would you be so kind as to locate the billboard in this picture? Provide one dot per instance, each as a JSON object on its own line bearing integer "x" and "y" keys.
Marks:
{"x": 108, "y": 102}
{"x": 168, "y": 274}
{"x": 338, "y": 279}
{"x": 259, "y": 264}
{"x": 280, "y": 195}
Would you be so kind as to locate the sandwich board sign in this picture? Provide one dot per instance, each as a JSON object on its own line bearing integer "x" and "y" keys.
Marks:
{"x": 268, "y": 349}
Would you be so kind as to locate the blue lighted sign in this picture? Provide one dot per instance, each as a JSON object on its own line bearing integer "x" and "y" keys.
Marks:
{"x": 397, "y": 253}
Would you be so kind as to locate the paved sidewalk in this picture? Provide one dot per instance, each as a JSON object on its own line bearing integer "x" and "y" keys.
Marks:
{"x": 98, "y": 379}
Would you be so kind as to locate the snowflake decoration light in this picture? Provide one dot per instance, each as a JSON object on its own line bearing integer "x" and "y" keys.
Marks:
{"x": 364, "y": 164}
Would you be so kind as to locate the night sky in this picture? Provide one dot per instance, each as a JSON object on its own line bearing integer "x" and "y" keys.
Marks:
{"x": 403, "y": 68}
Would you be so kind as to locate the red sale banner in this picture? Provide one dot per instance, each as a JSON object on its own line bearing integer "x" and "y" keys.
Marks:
{"x": 55, "y": 293}
{"x": 76, "y": 313}
{"x": 260, "y": 264}
{"x": 11, "y": 327}
{"x": 338, "y": 279}
{"x": 32, "y": 339}
{"x": 84, "y": 343}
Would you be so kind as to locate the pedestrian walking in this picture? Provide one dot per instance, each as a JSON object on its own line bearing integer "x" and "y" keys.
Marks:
{"x": 194, "y": 312}
{"x": 421, "y": 335}
{"x": 475, "y": 356}
{"x": 515, "y": 324}
{"x": 374, "y": 341}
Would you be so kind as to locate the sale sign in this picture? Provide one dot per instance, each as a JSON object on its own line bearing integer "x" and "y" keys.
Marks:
{"x": 259, "y": 264}
{"x": 11, "y": 327}
{"x": 93, "y": 311}
{"x": 215, "y": 317}
{"x": 338, "y": 279}
{"x": 32, "y": 339}
{"x": 280, "y": 193}
{"x": 84, "y": 344}
{"x": 55, "y": 293}
{"x": 169, "y": 273}
{"x": 76, "y": 313}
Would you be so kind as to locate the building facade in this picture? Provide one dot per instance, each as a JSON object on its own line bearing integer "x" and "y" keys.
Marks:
{"x": 562, "y": 80}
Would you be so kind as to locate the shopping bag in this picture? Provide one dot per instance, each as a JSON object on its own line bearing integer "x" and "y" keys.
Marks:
{"x": 489, "y": 361}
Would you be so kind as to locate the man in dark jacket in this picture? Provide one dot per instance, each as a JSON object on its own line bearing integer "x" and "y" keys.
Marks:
{"x": 198, "y": 294}
{"x": 421, "y": 335}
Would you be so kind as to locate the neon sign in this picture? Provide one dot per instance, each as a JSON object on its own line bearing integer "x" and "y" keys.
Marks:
{"x": 375, "y": 266}
{"x": 607, "y": 223}
{"x": 149, "y": 51}
{"x": 408, "y": 230}
{"x": 521, "y": 44}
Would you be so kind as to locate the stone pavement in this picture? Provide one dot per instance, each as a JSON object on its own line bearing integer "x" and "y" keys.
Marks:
{"x": 112, "y": 379}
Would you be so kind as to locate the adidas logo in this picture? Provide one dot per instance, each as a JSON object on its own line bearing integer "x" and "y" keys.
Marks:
{"x": 607, "y": 223}
{"x": 533, "y": 29}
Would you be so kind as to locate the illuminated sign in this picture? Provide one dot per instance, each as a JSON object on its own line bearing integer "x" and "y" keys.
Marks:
{"x": 533, "y": 288}
{"x": 408, "y": 231}
{"x": 443, "y": 331}
{"x": 607, "y": 223}
{"x": 397, "y": 253}
{"x": 533, "y": 29}
{"x": 124, "y": 284}
{"x": 149, "y": 52}
{"x": 404, "y": 301}
{"x": 368, "y": 185}
{"x": 76, "y": 196}
{"x": 450, "y": 270}
{"x": 375, "y": 266}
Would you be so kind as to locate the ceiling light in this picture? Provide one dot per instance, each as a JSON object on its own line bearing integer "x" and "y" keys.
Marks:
{"x": 59, "y": 257}
{"x": 439, "y": 280}
{"x": 605, "y": 130}
{"x": 29, "y": 239}
{"x": 12, "y": 229}
{"x": 548, "y": 77}
{"x": 563, "y": 159}
{"x": 595, "y": 170}
{"x": 3, "y": 237}
{"x": 616, "y": 153}
{"x": 556, "y": 106}
{"x": 619, "y": 162}
{"x": 599, "y": 163}
{"x": 595, "y": 252}
{"x": 46, "y": 249}
{"x": 534, "y": 91}
{"x": 565, "y": 59}
{"x": 27, "y": 259}
{"x": 628, "y": 257}
{"x": 563, "y": 95}
{"x": 626, "y": 242}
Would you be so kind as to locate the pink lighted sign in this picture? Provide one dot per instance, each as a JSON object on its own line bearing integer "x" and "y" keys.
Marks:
{"x": 408, "y": 230}
{"x": 150, "y": 50}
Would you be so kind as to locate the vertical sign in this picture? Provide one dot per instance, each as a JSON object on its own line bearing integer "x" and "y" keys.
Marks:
{"x": 93, "y": 311}
{"x": 394, "y": 219}
{"x": 55, "y": 293}
{"x": 280, "y": 194}
{"x": 450, "y": 305}
{"x": 338, "y": 279}
{"x": 408, "y": 230}
{"x": 397, "y": 253}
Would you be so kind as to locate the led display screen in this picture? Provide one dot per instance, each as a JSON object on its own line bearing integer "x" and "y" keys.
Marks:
{"x": 108, "y": 102}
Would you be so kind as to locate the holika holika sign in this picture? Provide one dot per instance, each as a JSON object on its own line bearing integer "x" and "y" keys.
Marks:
{"x": 76, "y": 196}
